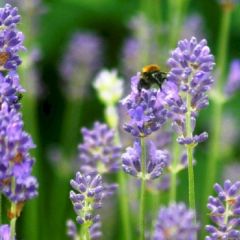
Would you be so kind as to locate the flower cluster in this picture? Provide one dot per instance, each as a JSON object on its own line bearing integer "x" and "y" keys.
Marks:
{"x": 175, "y": 222}
{"x": 146, "y": 111}
{"x": 15, "y": 162}
{"x": 11, "y": 40}
{"x": 90, "y": 193}
{"x": 81, "y": 61}
{"x": 9, "y": 89}
{"x": 189, "y": 79}
{"x": 94, "y": 231}
{"x": 98, "y": 152}
{"x": 225, "y": 212}
{"x": 156, "y": 161}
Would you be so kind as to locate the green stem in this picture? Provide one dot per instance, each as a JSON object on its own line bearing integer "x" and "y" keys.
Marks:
{"x": 191, "y": 177}
{"x": 173, "y": 185}
{"x": 191, "y": 184}
{"x": 111, "y": 117}
{"x": 1, "y": 208}
{"x": 143, "y": 191}
{"x": 124, "y": 208}
{"x": 223, "y": 47}
{"x": 13, "y": 221}
{"x": 13, "y": 212}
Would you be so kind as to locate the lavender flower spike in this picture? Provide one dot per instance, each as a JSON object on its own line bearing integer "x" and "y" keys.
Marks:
{"x": 225, "y": 212}
{"x": 11, "y": 40}
{"x": 15, "y": 160}
{"x": 98, "y": 152}
{"x": 190, "y": 76}
{"x": 156, "y": 161}
{"x": 146, "y": 110}
{"x": 82, "y": 59}
{"x": 175, "y": 222}
{"x": 90, "y": 193}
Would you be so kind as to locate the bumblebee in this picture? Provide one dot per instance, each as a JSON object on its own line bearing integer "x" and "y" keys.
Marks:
{"x": 150, "y": 75}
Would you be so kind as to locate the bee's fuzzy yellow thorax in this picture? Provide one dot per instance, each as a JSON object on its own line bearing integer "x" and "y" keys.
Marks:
{"x": 150, "y": 68}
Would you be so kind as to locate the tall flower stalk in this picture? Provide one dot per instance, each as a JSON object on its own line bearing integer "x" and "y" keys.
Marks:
{"x": 110, "y": 89}
{"x": 143, "y": 160}
{"x": 189, "y": 78}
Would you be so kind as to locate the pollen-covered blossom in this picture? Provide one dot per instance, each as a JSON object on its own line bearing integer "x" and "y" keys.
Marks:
{"x": 175, "y": 222}
{"x": 146, "y": 111}
{"x": 9, "y": 88}
{"x": 189, "y": 80}
{"x": 15, "y": 161}
{"x": 88, "y": 196}
{"x": 98, "y": 152}
{"x": 5, "y": 233}
{"x": 233, "y": 82}
{"x": 82, "y": 59}
{"x": 11, "y": 40}
{"x": 155, "y": 163}
{"x": 225, "y": 212}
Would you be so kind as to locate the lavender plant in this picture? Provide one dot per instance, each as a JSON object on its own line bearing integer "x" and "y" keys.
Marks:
{"x": 224, "y": 212}
{"x": 89, "y": 196}
{"x": 17, "y": 182}
{"x": 175, "y": 222}
{"x": 190, "y": 78}
{"x": 147, "y": 114}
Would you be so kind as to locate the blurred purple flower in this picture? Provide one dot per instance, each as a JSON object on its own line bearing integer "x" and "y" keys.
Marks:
{"x": 9, "y": 17}
{"x": 193, "y": 26}
{"x": 5, "y": 233}
{"x": 175, "y": 222}
{"x": 225, "y": 212}
{"x": 233, "y": 83}
{"x": 146, "y": 110}
{"x": 71, "y": 229}
{"x": 98, "y": 152}
{"x": 141, "y": 47}
{"x": 189, "y": 79}
{"x": 15, "y": 160}
{"x": 81, "y": 61}
{"x": 90, "y": 192}
{"x": 156, "y": 161}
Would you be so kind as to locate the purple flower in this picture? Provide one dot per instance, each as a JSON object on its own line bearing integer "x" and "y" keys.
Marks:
{"x": 71, "y": 229}
{"x": 15, "y": 160}
{"x": 9, "y": 88}
{"x": 98, "y": 152}
{"x": 189, "y": 80}
{"x": 233, "y": 83}
{"x": 225, "y": 212}
{"x": 175, "y": 222}
{"x": 94, "y": 230}
{"x": 146, "y": 111}
{"x": 82, "y": 60}
{"x": 155, "y": 163}
{"x": 11, "y": 40}
{"x": 9, "y": 17}
{"x": 88, "y": 196}
{"x": 5, "y": 233}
